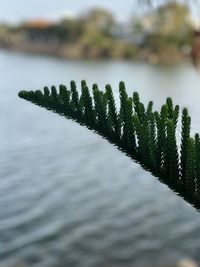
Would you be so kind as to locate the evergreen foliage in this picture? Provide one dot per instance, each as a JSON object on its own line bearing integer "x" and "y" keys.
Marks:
{"x": 197, "y": 161}
{"x": 190, "y": 167}
{"x": 147, "y": 136}
{"x": 113, "y": 116}
{"x": 185, "y": 136}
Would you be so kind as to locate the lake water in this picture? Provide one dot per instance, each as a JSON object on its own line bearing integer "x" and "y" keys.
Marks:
{"x": 69, "y": 198}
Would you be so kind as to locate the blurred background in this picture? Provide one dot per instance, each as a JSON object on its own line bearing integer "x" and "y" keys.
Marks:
{"x": 67, "y": 197}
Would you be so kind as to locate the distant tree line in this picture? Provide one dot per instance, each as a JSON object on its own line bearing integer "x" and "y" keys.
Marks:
{"x": 162, "y": 30}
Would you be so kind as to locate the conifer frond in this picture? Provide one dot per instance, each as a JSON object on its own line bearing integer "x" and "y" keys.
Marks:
{"x": 147, "y": 136}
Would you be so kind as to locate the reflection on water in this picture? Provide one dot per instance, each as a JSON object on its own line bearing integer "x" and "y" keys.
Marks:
{"x": 67, "y": 197}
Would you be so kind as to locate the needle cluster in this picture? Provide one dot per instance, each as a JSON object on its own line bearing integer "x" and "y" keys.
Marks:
{"x": 147, "y": 136}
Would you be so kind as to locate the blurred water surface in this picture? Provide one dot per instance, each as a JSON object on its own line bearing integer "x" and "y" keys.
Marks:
{"x": 69, "y": 198}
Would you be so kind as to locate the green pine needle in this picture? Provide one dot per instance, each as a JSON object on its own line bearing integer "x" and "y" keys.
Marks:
{"x": 147, "y": 136}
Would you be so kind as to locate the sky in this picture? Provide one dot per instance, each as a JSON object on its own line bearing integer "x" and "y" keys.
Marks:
{"x": 18, "y": 10}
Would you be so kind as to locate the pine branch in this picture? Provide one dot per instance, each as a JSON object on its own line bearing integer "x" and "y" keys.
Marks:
{"x": 147, "y": 136}
{"x": 185, "y": 136}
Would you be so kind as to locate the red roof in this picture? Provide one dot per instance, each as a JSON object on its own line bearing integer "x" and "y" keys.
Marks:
{"x": 38, "y": 23}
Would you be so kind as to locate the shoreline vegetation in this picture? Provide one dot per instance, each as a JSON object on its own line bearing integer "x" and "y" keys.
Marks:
{"x": 163, "y": 35}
